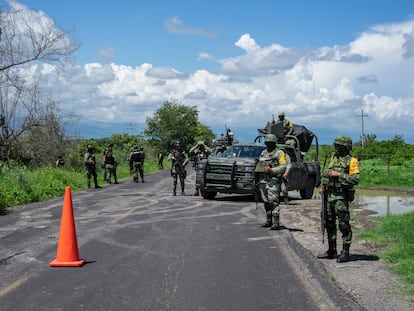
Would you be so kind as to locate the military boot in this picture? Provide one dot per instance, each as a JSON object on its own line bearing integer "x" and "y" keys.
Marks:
{"x": 330, "y": 253}
{"x": 344, "y": 256}
{"x": 268, "y": 222}
{"x": 275, "y": 223}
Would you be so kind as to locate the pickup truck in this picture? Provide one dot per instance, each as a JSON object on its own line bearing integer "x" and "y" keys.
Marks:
{"x": 237, "y": 171}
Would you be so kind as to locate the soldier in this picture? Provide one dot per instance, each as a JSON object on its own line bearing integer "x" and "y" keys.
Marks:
{"x": 284, "y": 186}
{"x": 198, "y": 152}
{"x": 338, "y": 181}
{"x": 179, "y": 160}
{"x": 274, "y": 161}
{"x": 60, "y": 162}
{"x": 287, "y": 129}
{"x": 90, "y": 165}
{"x": 161, "y": 157}
{"x": 110, "y": 167}
{"x": 136, "y": 163}
{"x": 107, "y": 149}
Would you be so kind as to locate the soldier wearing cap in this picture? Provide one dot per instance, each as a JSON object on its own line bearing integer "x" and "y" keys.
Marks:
{"x": 274, "y": 161}
{"x": 338, "y": 181}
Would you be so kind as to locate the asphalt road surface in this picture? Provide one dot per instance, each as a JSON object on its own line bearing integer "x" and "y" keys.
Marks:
{"x": 147, "y": 250}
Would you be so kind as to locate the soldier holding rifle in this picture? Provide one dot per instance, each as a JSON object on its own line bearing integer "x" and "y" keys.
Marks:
{"x": 337, "y": 191}
{"x": 273, "y": 161}
{"x": 179, "y": 160}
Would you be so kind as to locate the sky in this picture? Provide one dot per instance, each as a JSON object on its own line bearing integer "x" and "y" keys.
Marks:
{"x": 334, "y": 66}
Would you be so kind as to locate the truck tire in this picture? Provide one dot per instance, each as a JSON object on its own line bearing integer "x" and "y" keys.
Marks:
{"x": 208, "y": 195}
{"x": 307, "y": 192}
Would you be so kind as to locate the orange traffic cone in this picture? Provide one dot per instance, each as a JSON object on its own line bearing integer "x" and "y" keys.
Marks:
{"x": 67, "y": 252}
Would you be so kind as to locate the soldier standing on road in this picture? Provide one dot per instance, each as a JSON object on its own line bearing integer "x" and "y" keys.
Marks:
{"x": 284, "y": 185}
{"x": 198, "y": 152}
{"x": 136, "y": 163}
{"x": 110, "y": 167}
{"x": 274, "y": 161}
{"x": 179, "y": 160}
{"x": 90, "y": 165}
{"x": 107, "y": 149}
{"x": 338, "y": 181}
{"x": 161, "y": 157}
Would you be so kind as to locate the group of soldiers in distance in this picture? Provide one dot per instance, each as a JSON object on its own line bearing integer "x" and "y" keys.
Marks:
{"x": 337, "y": 179}
{"x": 109, "y": 164}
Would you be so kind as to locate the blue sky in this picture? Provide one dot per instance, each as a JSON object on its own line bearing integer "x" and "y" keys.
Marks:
{"x": 239, "y": 62}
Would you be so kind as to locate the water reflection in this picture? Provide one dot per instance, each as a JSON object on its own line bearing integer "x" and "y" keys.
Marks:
{"x": 383, "y": 202}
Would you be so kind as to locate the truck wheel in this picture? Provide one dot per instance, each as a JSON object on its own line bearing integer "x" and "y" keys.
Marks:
{"x": 209, "y": 195}
{"x": 307, "y": 192}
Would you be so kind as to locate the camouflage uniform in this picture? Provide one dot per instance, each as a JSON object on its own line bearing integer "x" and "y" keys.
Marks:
{"x": 287, "y": 130}
{"x": 161, "y": 156}
{"x": 136, "y": 163}
{"x": 338, "y": 181}
{"x": 284, "y": 186}
{"x": 199, "y": 152}
{"x": 90, "y": 165}
{"x": 274, "y": 161}
{"x": 179, "y": 160}
{"x": 110, "y": 167}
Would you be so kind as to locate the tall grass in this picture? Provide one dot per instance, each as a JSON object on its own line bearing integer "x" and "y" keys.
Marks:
{"x": 377, "y": 173}
{"x": 18, "y": 185}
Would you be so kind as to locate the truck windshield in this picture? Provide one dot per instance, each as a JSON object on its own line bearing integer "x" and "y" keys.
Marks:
{"x": 244, "y": 151}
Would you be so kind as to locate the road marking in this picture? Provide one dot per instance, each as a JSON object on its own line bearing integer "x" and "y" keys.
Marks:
{"x": 124, "y": 215}
{"x": 12, "y": 286}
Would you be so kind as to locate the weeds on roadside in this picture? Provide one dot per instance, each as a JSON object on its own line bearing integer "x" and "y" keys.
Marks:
{"x": 396, "y": 231}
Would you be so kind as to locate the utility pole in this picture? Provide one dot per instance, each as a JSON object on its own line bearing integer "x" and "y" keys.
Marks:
{"x": 362, "y": 115}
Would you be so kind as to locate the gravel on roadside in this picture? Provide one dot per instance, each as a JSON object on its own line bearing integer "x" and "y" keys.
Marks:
{"x": 365, "y": 277}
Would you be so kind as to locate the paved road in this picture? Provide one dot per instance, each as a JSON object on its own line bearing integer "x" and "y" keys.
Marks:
{"x": 147, "y": 250}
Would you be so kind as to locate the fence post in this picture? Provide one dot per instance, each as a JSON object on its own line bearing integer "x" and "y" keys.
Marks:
{"x": 389, "y": 164}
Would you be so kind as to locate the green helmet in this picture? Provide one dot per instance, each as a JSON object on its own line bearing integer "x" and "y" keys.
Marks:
{"x": 343, "y": 140}
{"x": 270, "y": 138}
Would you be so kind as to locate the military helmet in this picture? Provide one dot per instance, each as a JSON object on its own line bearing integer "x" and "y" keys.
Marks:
{"x": 270, "y": 138}
{"x": 281, "y": 114}
{"x": 343, "y": 140}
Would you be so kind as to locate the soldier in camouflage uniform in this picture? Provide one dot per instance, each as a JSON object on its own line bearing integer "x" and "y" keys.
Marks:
{"x": 90, "y": 165}
{"x": 199, "y": 152}
{"x": 136, "y": 163}
{"x": 110, "y": 167}
{"x": 287, "y": 130}
{"x": 179, "y": 160}
{"x": 338, "y": 181}
{"x": 274, "y": 161}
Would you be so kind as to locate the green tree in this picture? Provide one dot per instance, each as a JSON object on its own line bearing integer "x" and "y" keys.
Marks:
{"x": 174, "y": 121}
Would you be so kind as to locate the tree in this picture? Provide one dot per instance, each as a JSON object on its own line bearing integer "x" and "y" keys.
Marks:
{"x": 27, "y": 38}
{"x": 172, "y": 122}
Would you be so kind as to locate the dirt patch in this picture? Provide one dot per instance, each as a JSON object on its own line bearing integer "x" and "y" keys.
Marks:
{"x": 366, "y": 277}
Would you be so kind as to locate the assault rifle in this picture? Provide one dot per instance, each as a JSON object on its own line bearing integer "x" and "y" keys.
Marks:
{"x": 324, "y": 197}
{"x": 181, "y": 170}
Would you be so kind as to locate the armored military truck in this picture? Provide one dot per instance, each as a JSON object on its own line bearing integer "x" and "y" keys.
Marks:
{"x": 238, "y": 169}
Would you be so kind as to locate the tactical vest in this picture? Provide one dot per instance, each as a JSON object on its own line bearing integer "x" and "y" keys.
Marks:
{"x": 136, "y": 156}
{"x": 109, "y": 159}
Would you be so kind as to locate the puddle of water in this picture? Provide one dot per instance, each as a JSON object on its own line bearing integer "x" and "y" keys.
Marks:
{"x": 383, "y": 202}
